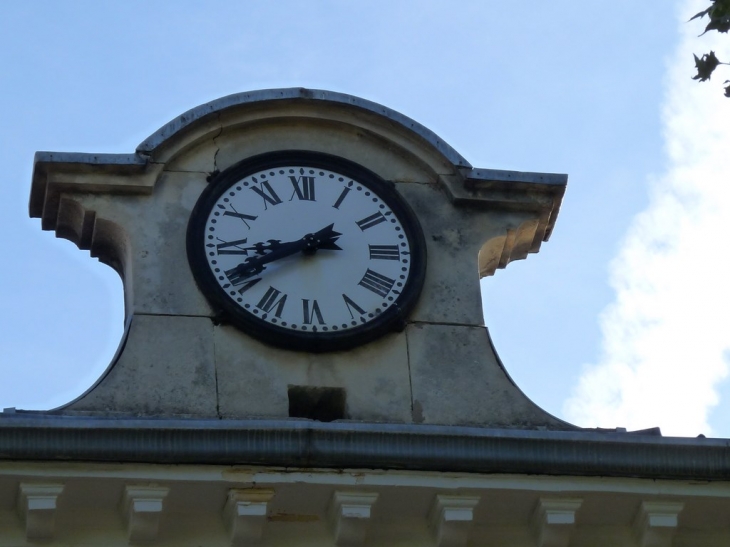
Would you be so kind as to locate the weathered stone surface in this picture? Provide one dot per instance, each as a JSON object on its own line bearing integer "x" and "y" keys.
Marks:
{"x": 199, "y": 158}
{"x": 166, "y": 368}
{"x": 193, "y": 149}
{"x": 37, "y": 506}
{"x": 157, "y": 276}
{"x": 132, "y": 211}
{"x": 142, "y": 507}
{"x": 451, "y": 519}
{"x": 349, "y": 515}
{"x": 454, "y": 238}
{"x": 253, "y": 378}
{"x": 339, "y": 139}
{"x": 457, "y": 380}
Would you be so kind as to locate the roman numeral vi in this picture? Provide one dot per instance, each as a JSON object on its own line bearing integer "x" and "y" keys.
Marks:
{"x": 310, "y": 312}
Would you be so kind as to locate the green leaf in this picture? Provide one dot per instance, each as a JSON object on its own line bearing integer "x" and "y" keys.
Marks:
{"x": 700, "y": 14}
{"x": 705, "y": 66}
{"x": 719, "y": 15}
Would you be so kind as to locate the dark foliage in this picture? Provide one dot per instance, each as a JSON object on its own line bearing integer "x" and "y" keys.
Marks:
{"x": 719, "y": 20}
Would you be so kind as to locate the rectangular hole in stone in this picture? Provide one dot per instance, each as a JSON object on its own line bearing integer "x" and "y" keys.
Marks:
{"x": 324, "y": 404}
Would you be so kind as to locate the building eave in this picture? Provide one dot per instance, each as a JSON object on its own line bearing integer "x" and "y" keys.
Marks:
{"x": 303, "y": 443}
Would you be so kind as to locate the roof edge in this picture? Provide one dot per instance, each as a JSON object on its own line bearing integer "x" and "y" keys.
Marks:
{"x": 302, "y": 443}
{"x": 526, "y": 177}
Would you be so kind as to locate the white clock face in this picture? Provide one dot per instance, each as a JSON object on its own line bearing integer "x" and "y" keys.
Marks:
{"x": 306, "y": 250}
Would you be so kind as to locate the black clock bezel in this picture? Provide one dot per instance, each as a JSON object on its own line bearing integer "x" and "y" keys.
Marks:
{"x": 391, "y": 319}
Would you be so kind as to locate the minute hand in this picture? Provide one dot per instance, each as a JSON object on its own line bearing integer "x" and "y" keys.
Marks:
{"x": 323, "y": 239}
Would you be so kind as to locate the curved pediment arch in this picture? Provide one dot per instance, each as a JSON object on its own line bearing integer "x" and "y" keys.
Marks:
{"x": 268, "y": 103}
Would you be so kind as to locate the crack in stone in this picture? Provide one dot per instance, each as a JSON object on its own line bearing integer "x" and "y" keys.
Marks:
{"x": 410, "y": 376}
{"x": 446, "y": 324}
{"x": 177, "y": 171}
{"x": 217, "y": 149}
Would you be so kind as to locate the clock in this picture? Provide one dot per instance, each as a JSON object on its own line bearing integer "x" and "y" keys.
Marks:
{"x": 306, "y": 251}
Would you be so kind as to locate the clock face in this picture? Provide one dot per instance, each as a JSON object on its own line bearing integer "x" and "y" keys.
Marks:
{"x": 306, "y": 251}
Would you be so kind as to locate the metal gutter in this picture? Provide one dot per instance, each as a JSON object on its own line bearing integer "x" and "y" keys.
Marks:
{"x": 303, "y": 443}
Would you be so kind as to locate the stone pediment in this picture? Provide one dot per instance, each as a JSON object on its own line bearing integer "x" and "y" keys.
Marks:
{"x": 179, "y": 357}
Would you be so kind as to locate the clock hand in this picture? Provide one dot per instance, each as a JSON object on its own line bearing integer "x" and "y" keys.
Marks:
{"x": 309, "y": 244}
{"x": 271, "y": 245}
{"x": 262, "y": 247}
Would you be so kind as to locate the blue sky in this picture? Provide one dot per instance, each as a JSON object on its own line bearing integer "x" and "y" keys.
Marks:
{"x": 532, "y": 85}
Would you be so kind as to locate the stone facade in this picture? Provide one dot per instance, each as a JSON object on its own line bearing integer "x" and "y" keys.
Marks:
{"x": 133, "y": 214}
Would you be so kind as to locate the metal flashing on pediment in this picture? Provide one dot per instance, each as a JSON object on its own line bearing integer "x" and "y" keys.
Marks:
{"x": 515, "y": 177}
{"x": 340, "y": 445}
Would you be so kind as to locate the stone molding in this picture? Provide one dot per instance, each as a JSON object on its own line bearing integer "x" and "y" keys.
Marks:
{"x": 554, "y": 520}
{"x": 349, "y": 515}
{"x": 656, "y": 523}
{"x": 59, "y": 173}
{"x": 142, "y": 507}
{"x": 88, "y": 512}
{"x": 245, "y": 514}
{"x": 37, "y": 505}
{"x": 451, "y": 518}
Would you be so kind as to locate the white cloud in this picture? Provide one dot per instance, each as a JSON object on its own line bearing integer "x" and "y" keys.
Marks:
{"x": 666, "y": 336}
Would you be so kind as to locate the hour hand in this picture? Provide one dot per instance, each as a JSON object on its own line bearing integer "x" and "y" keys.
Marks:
{"x": 323, "y": 239}
{"x": 243, "y": 271}
{"x": 309, "y": 244}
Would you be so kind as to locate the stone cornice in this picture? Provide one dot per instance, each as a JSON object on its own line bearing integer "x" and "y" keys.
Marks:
{"x": 58, "y": 173}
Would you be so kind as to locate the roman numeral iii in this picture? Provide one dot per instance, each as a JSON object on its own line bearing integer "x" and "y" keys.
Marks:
{"x": 384, "y": 252}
